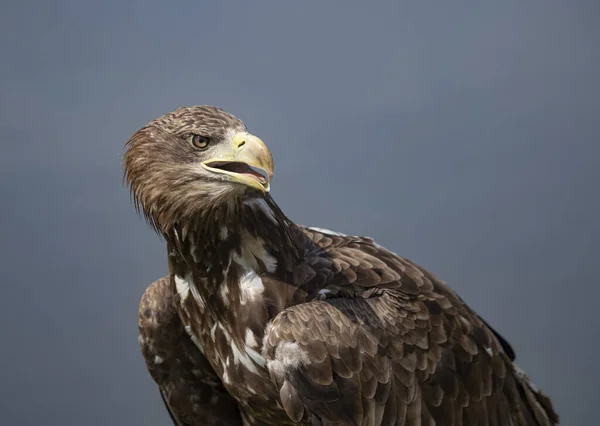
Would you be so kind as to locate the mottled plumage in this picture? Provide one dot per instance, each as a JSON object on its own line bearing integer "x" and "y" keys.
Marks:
{"x": 265, "y": 322}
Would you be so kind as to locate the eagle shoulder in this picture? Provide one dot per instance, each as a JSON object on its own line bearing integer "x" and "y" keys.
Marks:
{"x": 191, "y": 390}
{"x": 391, "y": 343}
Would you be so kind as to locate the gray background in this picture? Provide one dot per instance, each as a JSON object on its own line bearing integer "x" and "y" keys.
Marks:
{"x": 461, "y": 135}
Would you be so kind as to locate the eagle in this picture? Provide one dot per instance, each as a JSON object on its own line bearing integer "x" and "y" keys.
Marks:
{"x": 262, "y": 321}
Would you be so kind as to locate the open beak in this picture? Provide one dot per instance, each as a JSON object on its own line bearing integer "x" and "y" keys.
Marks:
{"x": 246, "y": 160}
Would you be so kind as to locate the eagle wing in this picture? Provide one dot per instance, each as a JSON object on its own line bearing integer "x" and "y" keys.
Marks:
{"x": 189, "y": 387}
{"x": 390, "y": 344}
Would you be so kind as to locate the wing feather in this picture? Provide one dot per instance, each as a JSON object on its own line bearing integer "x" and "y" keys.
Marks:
{"x": 390, "y": 344}
{"x": 189, "y": 387}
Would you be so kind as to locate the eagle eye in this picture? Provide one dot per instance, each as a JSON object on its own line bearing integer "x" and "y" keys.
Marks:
{"x": 200, "y": 141}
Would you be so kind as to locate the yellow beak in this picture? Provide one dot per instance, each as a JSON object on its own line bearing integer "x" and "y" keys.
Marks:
{"x": 246, "y": 160}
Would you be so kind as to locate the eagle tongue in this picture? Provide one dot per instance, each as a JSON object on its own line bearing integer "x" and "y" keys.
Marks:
{"x": 240, "y": 168}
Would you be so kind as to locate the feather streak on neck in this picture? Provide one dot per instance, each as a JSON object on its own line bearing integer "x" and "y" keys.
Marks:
{"x": 224, "y": 251}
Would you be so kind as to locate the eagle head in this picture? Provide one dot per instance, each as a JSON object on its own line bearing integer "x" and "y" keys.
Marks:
{"x": 194, "y": 160}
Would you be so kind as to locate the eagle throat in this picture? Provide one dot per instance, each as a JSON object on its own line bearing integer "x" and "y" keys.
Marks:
{"x": 220, "y": 245}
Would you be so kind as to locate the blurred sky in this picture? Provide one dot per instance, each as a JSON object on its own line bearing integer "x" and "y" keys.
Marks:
{"x": 462, "y": 135}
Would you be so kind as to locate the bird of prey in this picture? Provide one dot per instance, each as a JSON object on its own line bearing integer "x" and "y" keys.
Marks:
{"x": 262, "y": 321}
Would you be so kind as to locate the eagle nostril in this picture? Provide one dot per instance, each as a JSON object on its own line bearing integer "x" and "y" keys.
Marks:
{"x": 241, "y": 144}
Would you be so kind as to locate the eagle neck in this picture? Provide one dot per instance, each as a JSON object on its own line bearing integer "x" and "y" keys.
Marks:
{"x": 253, "y": 236}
